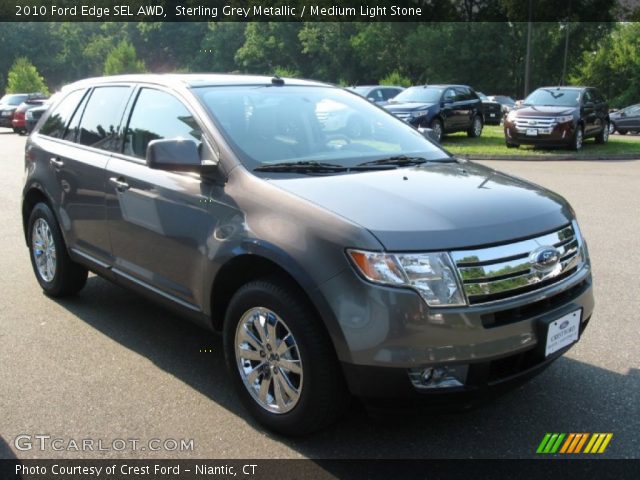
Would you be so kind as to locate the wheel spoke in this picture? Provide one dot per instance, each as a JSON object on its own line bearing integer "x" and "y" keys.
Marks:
{"x": 286, "y": 386}
{"x": 277, "y": 391}
{"x": 284, "y": 346}
{"x": 271, "y": 331}
{"x": 248, "y": 354}
{"x": 264, "y": 389}
{"x": 254, "y": 374}
{"x": 292, "y": 366}
{"x": 258, "y": 323}
{"x": 249, "y": 337}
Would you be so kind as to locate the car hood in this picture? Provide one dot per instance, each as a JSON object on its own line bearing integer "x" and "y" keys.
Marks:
{"x": 540, "y": 111}
{"x": 436, "y": 206}
{"x": 407, "y": 107}
{"x": 7, "y": 107}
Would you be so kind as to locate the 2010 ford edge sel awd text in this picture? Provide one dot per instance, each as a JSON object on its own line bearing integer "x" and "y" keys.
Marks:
{"x": 377, "y": 266}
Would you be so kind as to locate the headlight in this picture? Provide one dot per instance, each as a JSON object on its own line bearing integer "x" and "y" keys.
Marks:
{"x": 432, "y": 275}
{"x": 511, "y": 116}
{"x": 564, "y": 119}
{"x": 6, "y": 113}
{"x": 29, "y": 115}
{"x": 418, "y": 113}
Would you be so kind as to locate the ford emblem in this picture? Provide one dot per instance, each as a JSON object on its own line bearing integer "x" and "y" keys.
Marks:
{"x": 544, "y": 259}
{"x": 564, "y": 324}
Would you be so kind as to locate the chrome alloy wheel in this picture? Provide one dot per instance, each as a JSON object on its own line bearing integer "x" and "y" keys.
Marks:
{"x": 477, "y": 127}
{"x": 605, "y": 133}
{"x": 578, "y": 139}
{"x": 44, "y": 250}
{"x": 268, "y": 360}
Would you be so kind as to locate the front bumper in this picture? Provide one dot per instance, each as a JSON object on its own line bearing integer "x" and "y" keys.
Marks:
{"x": 388, "y": 331}
{"x": 558, "y": 135}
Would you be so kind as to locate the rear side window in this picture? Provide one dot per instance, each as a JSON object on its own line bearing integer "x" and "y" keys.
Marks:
{"x": 99, "y": 127}
{"x": 157, "y": 114}
{"x": 57, "y": 122}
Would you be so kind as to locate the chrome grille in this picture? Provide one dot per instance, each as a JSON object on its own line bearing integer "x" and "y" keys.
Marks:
{"x": 495, "y": 273}
{"x": 535, "y": 122}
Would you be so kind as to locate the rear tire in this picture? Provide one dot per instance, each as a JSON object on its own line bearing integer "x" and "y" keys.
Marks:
{"x": 476, "y": 127}
{"x": 258, "y": 364}
{"x": 16, "y": 130}
{"x": 622, "y": 132}
{"x": 56, "y": 273}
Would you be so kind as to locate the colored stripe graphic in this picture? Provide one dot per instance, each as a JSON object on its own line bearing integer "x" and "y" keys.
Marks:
{"x": 573, "y": 443}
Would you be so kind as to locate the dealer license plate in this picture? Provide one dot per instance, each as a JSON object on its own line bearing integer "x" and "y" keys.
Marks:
{"x": 492, "y": 114}
{"x": 562, "y": 332}
{"x": 532, "y": 132}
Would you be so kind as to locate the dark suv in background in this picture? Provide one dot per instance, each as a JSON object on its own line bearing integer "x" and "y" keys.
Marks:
{"x": 443, "y": 108}
{"x": 333, "y": 263}
{"x": 558, "y": 116}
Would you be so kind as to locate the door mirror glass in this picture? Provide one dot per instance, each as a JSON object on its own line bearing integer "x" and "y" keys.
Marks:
{"x": 173, "y": 154}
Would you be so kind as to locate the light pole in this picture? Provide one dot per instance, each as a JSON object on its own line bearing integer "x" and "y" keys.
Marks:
{"x": 527, "y": 65}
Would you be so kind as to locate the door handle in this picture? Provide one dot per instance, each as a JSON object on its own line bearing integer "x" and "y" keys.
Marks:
{"x": 119, "y": 183}
{"x": 56, "y": 162}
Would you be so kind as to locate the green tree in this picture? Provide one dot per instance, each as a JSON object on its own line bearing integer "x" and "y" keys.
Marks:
{"x": 122, "y": 59}
{"x": 395, "y": 79}
{"x": 614, "y": 67}
{"x": 24, "y": 77}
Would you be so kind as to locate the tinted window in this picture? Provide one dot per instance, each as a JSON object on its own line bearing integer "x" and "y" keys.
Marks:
{"x": 13, "y": 99}
{"x": 419, "y": 95}
{"x": 587, "y": 97}
{"x": 101, "y": 118}
{"x": 157, "y": 115}
{"x": 56, "y": 124}
{"x": 71, "y": 132}
{"x": 565, "y": 97}
{"x": 463, "y": 94}
{"x": 376, "y": 94}
{"x": 295, "y": 123}
{"x": 389, "y": 93}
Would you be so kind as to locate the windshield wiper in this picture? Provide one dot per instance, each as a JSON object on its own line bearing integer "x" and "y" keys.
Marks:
{"x": 308, "y": 166}
{"x": 401, "y": 161}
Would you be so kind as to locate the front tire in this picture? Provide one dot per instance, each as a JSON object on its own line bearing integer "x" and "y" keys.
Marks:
{"x": 578, "y": 139}
{"x": 603, "y": 136}
{"x": 281, "y": 359}
{"x": 476, "y": 127}
{"x": 438, "y": 129}
{"x": 56, "y": 273}
{"x": 512, "y": 145}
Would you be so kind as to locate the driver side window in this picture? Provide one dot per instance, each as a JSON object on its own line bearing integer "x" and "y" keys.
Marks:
{"x": 156, "y": 115}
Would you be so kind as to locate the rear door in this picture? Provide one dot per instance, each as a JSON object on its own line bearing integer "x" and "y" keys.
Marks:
{"x": 449, "y": 111}
{"x": 78, "y": 155}
{"x": 630, "y": 118}
{"x": 589, "y": 112}
{"x": 158, "y": 220}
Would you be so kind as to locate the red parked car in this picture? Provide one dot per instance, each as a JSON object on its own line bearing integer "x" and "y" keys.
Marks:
{"x": 18, "y": 122}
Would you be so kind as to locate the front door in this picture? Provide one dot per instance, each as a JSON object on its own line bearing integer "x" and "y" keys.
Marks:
{"x": 159, "y": 221}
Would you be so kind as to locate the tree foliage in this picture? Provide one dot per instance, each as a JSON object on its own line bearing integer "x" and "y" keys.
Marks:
{"x": 614, "y": 66}
{"x": 487, "y": 55}
{"x": 23, "y": 77}
{"x": 122, "y": 59}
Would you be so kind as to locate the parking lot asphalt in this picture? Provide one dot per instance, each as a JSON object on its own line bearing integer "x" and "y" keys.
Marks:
{"x": 109, "y": 365}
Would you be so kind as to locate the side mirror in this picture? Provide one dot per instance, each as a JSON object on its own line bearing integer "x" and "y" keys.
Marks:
{"x": 372, "y": 99}
{"x": 173, "y": 155}
{"x": 588, "y": 105}
{"x": 446, "y": 101}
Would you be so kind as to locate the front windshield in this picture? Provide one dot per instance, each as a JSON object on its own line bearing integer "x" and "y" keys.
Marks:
{"x": 560, "y": 97}
{"x": 13, "y": 99}
{"x": 267, "y": 125}
{"x": 419, "y": 95}
{"x": 360, "y": 90}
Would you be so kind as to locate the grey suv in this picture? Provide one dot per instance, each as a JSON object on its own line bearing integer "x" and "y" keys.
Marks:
{"x": 377, "y": 266}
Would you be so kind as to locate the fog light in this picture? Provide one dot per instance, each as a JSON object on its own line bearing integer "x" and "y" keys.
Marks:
{"x": 439, "y": 377}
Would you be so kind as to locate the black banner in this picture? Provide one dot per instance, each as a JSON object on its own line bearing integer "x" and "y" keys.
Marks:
{"x": 600, "y": 469}
{"x": 318, "y": 10}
